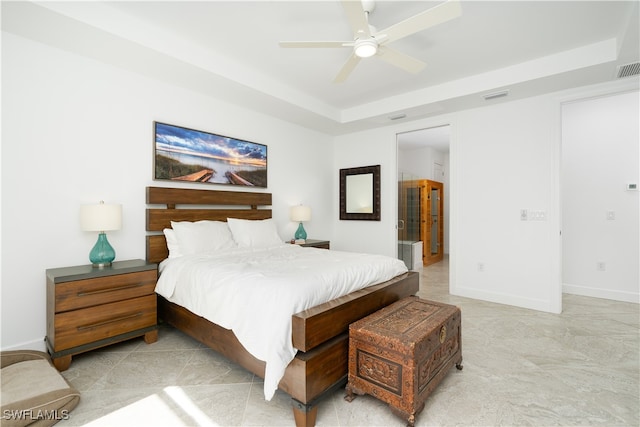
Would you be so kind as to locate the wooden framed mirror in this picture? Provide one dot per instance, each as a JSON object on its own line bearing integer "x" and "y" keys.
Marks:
{"x": 360, "y": 193}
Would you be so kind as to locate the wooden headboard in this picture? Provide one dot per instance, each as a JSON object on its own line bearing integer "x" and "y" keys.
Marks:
{"x": 200, "y": 204}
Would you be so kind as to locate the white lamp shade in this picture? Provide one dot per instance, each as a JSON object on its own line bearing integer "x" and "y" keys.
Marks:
{"x": 300, "y": 213}
{"x": 100, "y": 217}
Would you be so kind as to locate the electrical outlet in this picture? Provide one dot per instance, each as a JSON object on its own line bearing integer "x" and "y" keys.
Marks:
{"x": 481, "y": 266}
{"x": 524, "y": 215}
{"x": 601, "y": 266}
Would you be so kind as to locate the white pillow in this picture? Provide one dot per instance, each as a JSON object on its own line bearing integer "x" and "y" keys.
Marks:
{"x": 172, "y": 243}
{"x": 202, "y": 236}
{"x": 254, "y": 233}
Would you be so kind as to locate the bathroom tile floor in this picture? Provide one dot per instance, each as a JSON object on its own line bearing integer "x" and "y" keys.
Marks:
{"x": 521, "y": 368}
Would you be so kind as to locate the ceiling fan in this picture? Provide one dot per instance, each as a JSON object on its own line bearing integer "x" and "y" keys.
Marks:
{"x": 367, "y": 41}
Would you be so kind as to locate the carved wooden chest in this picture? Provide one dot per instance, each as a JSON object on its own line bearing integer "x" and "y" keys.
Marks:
{"x": 400, "y": 353}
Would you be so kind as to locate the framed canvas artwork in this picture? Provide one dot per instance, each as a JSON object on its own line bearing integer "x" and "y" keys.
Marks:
{"x": 183, "y": 154}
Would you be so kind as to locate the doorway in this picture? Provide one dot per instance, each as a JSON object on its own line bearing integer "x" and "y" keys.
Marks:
{"x": 423, "y": 173}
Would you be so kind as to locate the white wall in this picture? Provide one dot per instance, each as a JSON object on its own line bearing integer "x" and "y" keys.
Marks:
{"x": 447, "y": 204}
{"x": 419, "y": 162}
{"x": 600, "y": 156}
{"x": 367, "y": 148}
{"x": 505, "y": 161}
{"x": 77, "y": 131}
{"x": 503, "y": 158}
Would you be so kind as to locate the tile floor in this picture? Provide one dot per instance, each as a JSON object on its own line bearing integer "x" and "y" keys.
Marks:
{"x": 521, "y": 368}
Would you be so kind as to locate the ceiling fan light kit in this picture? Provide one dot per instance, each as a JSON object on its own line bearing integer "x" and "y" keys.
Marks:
{"x": 365, "y": 48}
{"x": 368, "y": 42}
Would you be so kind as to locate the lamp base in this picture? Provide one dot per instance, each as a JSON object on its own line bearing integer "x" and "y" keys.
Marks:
{"x": 300, "y": 233}
{"x": 102, "y": 253}
{"x": 101, "y": 265}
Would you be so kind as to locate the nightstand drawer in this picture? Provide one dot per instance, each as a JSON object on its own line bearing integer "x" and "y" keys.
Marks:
{"x": 79, "y": 327}
{"x": 102, "y": 290}
{"x": 319, "y": 245}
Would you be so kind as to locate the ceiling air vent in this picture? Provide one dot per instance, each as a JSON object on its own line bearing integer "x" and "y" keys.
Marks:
{"x": 495, "y": 95}
{"x": 628, "y": 70}
{"x": 397, "y": 116}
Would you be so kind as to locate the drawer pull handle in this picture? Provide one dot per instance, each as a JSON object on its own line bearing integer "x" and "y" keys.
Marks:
{"x": 106, "y": 322}
{"x": 106, "y": 290}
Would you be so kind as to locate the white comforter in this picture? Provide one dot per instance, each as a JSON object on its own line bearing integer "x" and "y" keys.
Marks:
{"x": 254, "y": 292}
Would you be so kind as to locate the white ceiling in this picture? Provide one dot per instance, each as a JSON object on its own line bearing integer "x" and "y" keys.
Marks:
{"x": 229, "y": 50}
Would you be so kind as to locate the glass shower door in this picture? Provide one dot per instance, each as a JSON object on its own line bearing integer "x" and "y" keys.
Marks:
{"x": 408, "y": 217}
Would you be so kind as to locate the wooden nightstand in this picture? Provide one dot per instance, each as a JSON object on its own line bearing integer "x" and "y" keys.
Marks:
{"x": 312, "y": 243}
{"x": 91, "y": 307}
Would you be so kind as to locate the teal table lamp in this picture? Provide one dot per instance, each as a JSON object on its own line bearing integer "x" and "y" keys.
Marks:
{"x": 300, "y": 214}
{"x": 101, "y": 218}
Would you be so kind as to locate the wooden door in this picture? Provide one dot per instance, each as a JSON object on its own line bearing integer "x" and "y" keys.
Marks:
{"x": 432, "y": 230}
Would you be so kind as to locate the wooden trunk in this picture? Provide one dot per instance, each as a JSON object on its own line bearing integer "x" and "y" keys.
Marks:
{"x": 400, "y": 353}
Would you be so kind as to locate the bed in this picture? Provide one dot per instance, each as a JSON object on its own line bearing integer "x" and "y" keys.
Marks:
{"x": 319, "y": 334}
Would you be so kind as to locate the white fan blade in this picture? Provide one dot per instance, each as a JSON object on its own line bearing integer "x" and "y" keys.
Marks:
{"x": 400, "y": 60}
{"x": 314, "y": 44}
{"x": 357, "y": 18}
{"x": 429, "y": 18}
{"x": 347, "y": 68}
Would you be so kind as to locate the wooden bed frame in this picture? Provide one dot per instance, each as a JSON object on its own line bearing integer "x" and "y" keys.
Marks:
{"x": 319, "y": 333}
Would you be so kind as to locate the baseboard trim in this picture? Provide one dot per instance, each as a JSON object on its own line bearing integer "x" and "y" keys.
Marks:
{"x": 601, "y": 293}
{"x": 38, "y": 345}
{"x": 499, "y": 298}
